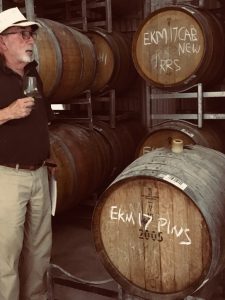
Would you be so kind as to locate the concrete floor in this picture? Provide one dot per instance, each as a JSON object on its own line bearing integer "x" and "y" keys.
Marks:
{"x": 74, "y": 252}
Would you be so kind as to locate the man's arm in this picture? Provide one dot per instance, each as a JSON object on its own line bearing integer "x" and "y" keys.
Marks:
{"x": 18, "y": 109}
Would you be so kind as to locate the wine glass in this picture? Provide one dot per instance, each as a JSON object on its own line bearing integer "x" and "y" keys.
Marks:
{"x": 30, "y": 87}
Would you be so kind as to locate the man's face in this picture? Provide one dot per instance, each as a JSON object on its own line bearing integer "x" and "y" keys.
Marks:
{"x": 19, "y": 44}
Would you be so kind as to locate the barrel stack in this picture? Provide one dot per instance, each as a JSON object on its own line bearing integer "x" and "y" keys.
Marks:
{"x": 71, "y": 62}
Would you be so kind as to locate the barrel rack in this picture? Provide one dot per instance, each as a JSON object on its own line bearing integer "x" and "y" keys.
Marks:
{"x": 199, "y": 95}
{"x": 109, "y": 95}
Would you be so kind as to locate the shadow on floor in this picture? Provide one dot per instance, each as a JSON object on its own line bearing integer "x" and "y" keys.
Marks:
{"x": 74, "y": 252}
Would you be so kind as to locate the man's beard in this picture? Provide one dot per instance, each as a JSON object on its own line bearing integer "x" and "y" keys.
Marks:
{"x": 27, "y": 58}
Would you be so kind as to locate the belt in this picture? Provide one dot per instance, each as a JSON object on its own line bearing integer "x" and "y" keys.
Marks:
{"x": 28, "y": 167}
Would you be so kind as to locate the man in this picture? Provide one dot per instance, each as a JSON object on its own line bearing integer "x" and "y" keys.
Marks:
{"x": 25, "y": 213}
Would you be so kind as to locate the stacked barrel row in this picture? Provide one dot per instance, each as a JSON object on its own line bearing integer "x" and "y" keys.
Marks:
{"x": 163, "y": 46}
{"x": 71, "y": 62}
{"x": 87, "y": 161}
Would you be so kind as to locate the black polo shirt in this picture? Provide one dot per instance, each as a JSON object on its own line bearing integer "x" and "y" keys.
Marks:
{"x": 25, "y": 140}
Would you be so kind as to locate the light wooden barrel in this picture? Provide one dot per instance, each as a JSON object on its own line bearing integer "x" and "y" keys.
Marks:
{"x": 114, "y": 67}
{"x": 159, "y": 227}
{"x": 67, "y": 61}
{"x": 162, "y": 135}
{"x": 176, "y": 47}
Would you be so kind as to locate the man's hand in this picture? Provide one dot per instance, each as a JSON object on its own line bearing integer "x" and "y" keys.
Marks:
{"x": 20, "y": 108}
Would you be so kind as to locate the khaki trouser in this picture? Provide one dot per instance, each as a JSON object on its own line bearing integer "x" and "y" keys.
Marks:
{"x": 25, "y": 233}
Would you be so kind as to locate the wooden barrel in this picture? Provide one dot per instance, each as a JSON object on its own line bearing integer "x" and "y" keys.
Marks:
{"x": 162, "y": 135}
{"x": 114, "y": 68}
{"x": 87, "y": 161}
{"x": 66, "y": 60}
{"x": 176, "y": 47}
{"x": 83, "y": 162}
{"x": 159, "y": 227}
{"x": 123, "y": 141}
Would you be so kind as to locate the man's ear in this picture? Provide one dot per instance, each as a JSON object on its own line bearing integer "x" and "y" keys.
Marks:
{"x": 2, "y": 43}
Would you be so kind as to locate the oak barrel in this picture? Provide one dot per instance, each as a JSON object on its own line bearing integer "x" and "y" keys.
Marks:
{"x": 176, "y": 47}
{"x": 159, "y": 227}
{"x": 88, "y": 160}
{"x": 123, "y": 141}
{"x": 162, "y": 135}
{"x": 66, "y": 60}
{"x": 83, "y": 162}
{"x": 114, "y": 69}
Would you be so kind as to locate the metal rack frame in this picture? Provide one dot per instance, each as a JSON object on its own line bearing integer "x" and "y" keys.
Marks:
{"x": 64, "y": 110}
{"x": 200, "y": 96}
{"x": 66, "y": 279}
{"x": 109, "y": 95}
{"x": 83, "y": 19}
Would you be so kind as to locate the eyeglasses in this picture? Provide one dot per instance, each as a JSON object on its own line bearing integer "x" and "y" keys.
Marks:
{"x": 26, "y": 35}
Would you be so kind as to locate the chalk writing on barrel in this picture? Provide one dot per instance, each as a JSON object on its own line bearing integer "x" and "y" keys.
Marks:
{"x": 183, "y": 40}
{"x": 171, "y": 35}
{"x": 163, "y": 225}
